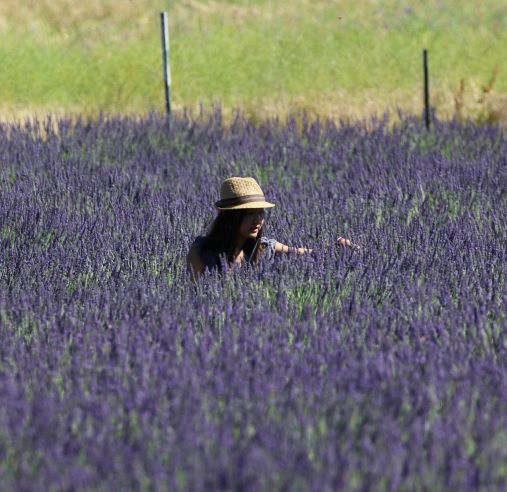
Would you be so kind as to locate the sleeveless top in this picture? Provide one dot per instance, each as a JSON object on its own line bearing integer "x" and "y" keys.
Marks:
{"x": 211, "y": 258}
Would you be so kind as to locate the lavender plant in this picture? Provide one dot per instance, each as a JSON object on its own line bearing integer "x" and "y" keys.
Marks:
{"x": 383, "y": 369}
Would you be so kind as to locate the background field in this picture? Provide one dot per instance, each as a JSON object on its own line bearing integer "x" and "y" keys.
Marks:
{"x": 337, "y": 58}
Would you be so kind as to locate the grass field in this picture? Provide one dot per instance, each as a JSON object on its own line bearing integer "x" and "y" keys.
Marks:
{"x": 335, "y": 58}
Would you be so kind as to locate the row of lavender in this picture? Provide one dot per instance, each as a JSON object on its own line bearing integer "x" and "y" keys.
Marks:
{"x": 382, "y": 369}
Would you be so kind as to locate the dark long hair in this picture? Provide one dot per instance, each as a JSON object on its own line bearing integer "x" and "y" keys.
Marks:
{"x": 224, "y": 231}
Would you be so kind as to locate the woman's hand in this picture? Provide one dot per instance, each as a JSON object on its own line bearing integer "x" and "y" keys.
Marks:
{"x": 347, "y": 243}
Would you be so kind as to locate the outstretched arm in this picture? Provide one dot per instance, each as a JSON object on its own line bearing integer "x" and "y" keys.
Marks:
{"x": 283, "y": 248}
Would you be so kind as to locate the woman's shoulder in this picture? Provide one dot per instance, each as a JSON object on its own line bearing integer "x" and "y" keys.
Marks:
{"x": 268, "y": 241}
{"x": 269, "y": 244}
{"x": 197, "y": 242}
{"x": 208, "y": 256}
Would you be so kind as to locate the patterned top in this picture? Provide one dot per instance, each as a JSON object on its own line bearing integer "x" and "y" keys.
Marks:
{"x": 211, "y": 259}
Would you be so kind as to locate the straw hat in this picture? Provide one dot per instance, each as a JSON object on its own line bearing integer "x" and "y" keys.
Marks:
{"x": 239, "y": 193}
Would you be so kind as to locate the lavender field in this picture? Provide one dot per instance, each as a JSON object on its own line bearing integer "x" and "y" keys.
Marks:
{"x": 383, "y": 369}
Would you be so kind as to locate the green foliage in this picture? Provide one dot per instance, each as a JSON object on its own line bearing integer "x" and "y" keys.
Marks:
{"x": 251, "y": 54}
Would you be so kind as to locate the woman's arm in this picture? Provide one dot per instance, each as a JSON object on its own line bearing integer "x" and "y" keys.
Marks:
{"x": 283, "y": 248}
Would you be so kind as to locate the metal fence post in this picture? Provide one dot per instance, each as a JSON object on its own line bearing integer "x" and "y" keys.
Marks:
{"x": 426, "y": 90}
{"x": 167, "y": 67}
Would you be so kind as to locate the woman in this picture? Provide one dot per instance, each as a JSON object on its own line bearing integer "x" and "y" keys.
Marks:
{"x": 235, "y": 236}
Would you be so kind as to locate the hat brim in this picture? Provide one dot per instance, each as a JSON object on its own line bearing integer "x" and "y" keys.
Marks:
{"x": 260, "y": 204}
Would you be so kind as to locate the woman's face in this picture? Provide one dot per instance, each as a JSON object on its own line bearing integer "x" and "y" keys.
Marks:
{"x": 252, "y": 223}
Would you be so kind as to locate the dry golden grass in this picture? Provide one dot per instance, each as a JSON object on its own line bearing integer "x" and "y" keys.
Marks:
{"x": 120, "y": 19}
{"x": 61, "y": 18}
{"x": 491, "y": 109}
